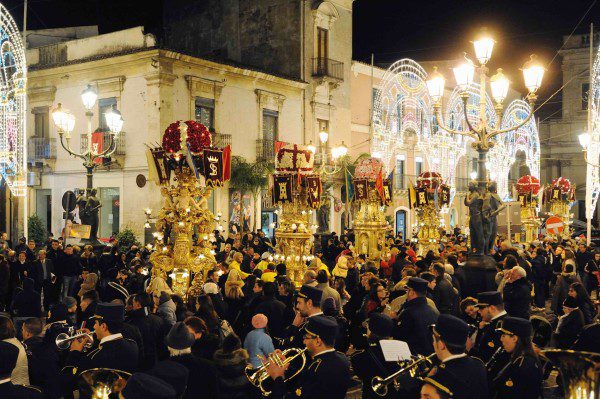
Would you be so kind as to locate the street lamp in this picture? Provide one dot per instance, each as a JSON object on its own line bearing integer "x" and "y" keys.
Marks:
{"x": 482, "y": 134}
{"x": 585, "y": 140}
{"x": 65, "y": 123}
{"x": 336, "y": 154}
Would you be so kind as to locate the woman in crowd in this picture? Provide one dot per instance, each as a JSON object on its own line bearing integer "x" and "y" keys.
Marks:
{"x": 234, "y": 295}
{"x": 258, "y": 343}
{"x": 231, "y": 361}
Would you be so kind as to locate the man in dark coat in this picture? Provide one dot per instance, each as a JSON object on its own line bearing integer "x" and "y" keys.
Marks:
{"x": 43, "y": 359}
{"x": 444, "y": 294}
{"x": 415, "y": 317}
{"x": 8, "y": 361}
{"x": 517, "y": 294}
{"x": 70, "y": 269}
{"x": 274, "y": 310}
{"x": 491, "y": 309}
{"x": 539, "y": 277}
{"x": 152, "y": 330}
{"x": 27, "y": 303}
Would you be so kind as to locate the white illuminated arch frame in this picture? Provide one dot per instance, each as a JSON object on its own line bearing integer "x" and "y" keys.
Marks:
{"x": 13, "y": 104}
{"x": 592, "y": 180}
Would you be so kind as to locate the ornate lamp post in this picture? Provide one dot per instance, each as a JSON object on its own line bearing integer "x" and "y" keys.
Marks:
{"x": 482, "y": 134}
{"x": 65, "y": 122}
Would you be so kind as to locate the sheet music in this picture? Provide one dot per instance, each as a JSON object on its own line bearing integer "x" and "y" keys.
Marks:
{"x": 394, "y": 351}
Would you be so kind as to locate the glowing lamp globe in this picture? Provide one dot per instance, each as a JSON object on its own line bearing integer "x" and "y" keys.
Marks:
{"x": 114, "y": 120}
{"x": 435, "y": 85}
{"x": 499, "y": 84}
{"x": 584, "y": 140}
{"x": 89, "y": 97}
{"x": 464, "y": 74}
{"x": 483, "y": 49}
{"x": 533, "y": 72}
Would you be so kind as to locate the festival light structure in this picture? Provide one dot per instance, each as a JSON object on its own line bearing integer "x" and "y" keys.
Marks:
{"x": 13, "y": 105}
{"x": 484, "y": 132}
{"x": 590, "y": 142}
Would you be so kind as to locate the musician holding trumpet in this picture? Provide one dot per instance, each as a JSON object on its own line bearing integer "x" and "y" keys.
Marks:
{"x": 327, "y": 376}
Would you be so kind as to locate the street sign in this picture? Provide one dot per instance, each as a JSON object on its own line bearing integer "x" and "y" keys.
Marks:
{"x": 68, "y": 201}
{"x": 554, "y": 225}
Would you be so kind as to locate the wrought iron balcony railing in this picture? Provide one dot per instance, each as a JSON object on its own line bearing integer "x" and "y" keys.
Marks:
{"x": 265, "y": 150}
{"x": 221, "y": 140}
{"x": 40, "y": 149}
{"x": 120, "y": 150}
{"x": 326, "y": 67}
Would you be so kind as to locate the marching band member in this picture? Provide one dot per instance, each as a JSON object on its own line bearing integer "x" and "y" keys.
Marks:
{"x": 522, "y": 377}
{"x": 328, "y": 375}
{"x": 491, "y": 309}
{"x": 308, "y": 305}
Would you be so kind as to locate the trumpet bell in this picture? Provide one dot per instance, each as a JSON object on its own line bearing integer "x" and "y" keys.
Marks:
{"x": 379, "y": 386}
{"x": 579, "y": 372}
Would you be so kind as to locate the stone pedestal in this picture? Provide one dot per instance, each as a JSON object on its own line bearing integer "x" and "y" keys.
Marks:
{"x": 480, "y": 272}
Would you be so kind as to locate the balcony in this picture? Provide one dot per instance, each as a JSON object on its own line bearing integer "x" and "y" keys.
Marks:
{"x": 220, "y": 140}
{"x": 120, "y": 150}
{"x": 328, "y": 68}
{"x": 40, "y": 149}
{"x": 265, "y": 150}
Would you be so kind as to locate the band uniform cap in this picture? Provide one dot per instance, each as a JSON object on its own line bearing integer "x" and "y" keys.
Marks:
{"x": 417, "y": 284}
{"x": 442, "y": 381}
{"x": 323, "y": 327}
{"x": 173, "y": 373}
{"x": 312, "y": 293}
{"x": 451, "y": 329}
{"x": 380, "y": 324}
{"x": 515, "y": 326}
{"x": 107, "y": 311}
{"x": 8, "y": 358}
{"x": 489, "y": 298}
{"x": 145, "y": 386}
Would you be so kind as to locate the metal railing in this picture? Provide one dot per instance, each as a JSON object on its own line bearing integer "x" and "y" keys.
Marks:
{"x": 327, "y": 67}
{"x": 266, "y": 199}
{"x": 40, "y": 149}
{"x": 221, "y": 140}
{"x": 265, "y": 150}
{"x": 120, "y": 150}
{"x": 53, "y": 54}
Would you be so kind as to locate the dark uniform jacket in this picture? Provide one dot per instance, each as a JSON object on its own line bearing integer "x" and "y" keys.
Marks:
{"x": 517, "y": 297}
{"x": 118, "y": 354}
{"x": 12, "y": 391}
{"x": 520, "y": 379}
{"x": 326, "y": 377}
{"x": 152, "y": 331}
{"x": 468, "y": 376}
{"x": 413, "y": 326}
{"x": 370, "y": 363}
{"x": 488, "y": 340}
{"x": 44, "y": 366}
{"x": 293, "y": 335}
{"x": 202, "y": 380}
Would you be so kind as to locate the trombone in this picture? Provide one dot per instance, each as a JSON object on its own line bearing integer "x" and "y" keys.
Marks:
{"x": 380, "y": 384}
{"x": 257, "y": 377}
{"x": 63, "y": 340}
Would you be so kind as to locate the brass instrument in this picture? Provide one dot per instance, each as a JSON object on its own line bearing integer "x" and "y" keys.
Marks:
{"x": 491, "y": 364}
{"x": 380, "y": 384}
{"x": 579, "y": 372}
{"x": 63, "y": 340}
{"x": 101, "y": 382}
{"x": 257, "y": 377}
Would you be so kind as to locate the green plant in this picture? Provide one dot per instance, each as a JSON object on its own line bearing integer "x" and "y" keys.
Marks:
{"x": 36, "y": 229}
{"x": 126, "y": 239}
{"x": 250, "y": 178}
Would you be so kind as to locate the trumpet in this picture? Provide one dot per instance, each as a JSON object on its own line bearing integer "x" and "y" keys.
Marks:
{"x": 380, "y": 384}
{"x": 63, "y": 340}
{"x": 257, "y": 377}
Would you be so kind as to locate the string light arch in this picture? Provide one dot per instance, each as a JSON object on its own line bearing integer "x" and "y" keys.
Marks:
{"x": 593, "y": 149}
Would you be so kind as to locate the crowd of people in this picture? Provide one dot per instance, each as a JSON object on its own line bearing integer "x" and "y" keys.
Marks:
{"x": 163, "y": 345}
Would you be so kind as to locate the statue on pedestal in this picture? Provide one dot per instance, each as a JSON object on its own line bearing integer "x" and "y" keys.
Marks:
{"x": 492, "y": 204}
{"x": 474, "y": 201}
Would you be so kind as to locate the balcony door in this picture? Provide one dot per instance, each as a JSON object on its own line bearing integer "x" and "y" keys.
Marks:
{"x": 322, "y": 49}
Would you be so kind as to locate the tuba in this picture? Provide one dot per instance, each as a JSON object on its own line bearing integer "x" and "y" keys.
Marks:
{"x": 100, "y": 382}
{"x": 418, "y": 367}
{"x": 579, "y": 372}
{"x": 259, "y": 376}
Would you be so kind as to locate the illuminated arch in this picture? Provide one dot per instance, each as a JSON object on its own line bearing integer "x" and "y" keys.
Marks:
{"x": 592, "y": 180}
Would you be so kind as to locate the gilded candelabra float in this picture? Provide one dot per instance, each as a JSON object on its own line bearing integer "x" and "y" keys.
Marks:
{"x": 528, "y": 188}
{"x": 371, "y": 194}
{"x": 187, "y": 168}
{"x": 428, "y": 197}
{"x": 298, "y": 192}
{"x": 559, "y": 195}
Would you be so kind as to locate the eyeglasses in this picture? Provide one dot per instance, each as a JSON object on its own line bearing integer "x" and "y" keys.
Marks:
{"x": 309, "y": 336}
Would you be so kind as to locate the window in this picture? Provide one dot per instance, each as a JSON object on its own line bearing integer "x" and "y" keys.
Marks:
{"x": 418, "y": 165}
{"x": 41, "y": 121}
{"x": 104, "y": 105}
{"x": 205, "y": 112}
{"x": 399, "y": 172}
{"x": 322, "y": 43}
{"x": 109, "y": 212}
{"x": 585, "y": 89}
{"x": 269, "y": 126}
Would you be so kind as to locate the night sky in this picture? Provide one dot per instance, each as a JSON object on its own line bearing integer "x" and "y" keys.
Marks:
{"x": 390, "y": 29}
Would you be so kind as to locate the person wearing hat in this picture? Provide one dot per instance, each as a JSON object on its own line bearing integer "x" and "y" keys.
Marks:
{"x": 8, "y": 361}
{"x": 328, "y": 374}
{"x": 264, "y": 261}
{"x": 308, "y": 304}
{"x": 491, "y": 309}
{"x": 522, "y": 377}
{"x": 570, "y": 324}
{"x": 415, "y": 317}
{"x": 113, "y": 351}
{"x": 146, "y": 386}
{"x": 202, "y": 373}
{"x": 371, "y": 362}
{"x": 464, "y": 376}
{"x": 258, "y": 343}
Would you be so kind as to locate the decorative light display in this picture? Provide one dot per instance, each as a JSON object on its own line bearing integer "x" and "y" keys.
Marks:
{"x": 13, "y": 103}
{"x": 593, "y": 146}
{"x": 402, "y": 105}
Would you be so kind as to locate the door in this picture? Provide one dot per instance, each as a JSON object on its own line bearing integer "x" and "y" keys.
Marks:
{"x": 401, "y": 223}
{"x": 322, "y": 50}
